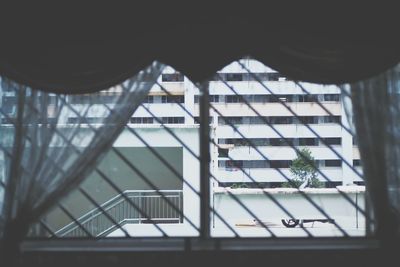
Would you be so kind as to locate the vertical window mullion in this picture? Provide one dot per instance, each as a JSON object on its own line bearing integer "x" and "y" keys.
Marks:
{"x": 204, "y": 161}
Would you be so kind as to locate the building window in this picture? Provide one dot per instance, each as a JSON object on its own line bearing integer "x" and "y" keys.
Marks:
{"x": 172, "y": 77}
{"x": 260, "y": 98}
{"x": 149, "y": 99}
{"x": 332, "y": 141}
{"x": 234, "y": 99}
{"x": 332, "y": 97}
{"x": 255, "y": 76}
{"x": 197, "y": 120}
{"x": 356, "y": 163}
{"x": 173, "y": 120}
{"x": 253, "y": 164}
{"x": 280, "y": 141}
{"x": 8, "y": 104}
{"x": 331, "y": 119}
{"x": 281, "y": 120}
{"x": 172, "y": 99}
{"x": 85, "y": 120}
{"x": 308, "y": 119}
{"x": 253, "y": 120}
{"x": 307, "y": 98}
{"x": 281, "y": 98}
{"x": 308, "y": 142}
{"x": 223, "y": 152}
{"x": 273, "y": 76}
{"x": 231, "y": 120}
{"x": 234, "y": 77}
{"x": 230, "y": 164}
{"x": 333, "y": 163}
{"x": 142, "y": 120}
{"x": 212, "y": 98}
{"x": 280, "y": 163}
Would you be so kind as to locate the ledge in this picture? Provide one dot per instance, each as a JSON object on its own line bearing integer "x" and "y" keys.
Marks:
{"x": 257, "y": 191}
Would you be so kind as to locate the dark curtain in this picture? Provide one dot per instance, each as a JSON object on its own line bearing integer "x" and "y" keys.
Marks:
{"x": 87, "y": 48}
{"x": 376, "y": 107}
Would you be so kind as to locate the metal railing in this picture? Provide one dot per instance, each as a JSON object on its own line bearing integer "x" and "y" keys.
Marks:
{"x": 157, "y": 209}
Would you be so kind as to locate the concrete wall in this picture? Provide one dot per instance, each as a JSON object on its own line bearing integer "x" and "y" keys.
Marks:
{"x": 329, "y": 200}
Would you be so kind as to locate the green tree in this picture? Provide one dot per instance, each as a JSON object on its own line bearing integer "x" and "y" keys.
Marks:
{"x": 304, "y": 171}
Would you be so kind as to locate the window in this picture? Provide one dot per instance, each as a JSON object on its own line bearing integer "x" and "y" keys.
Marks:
{"x": 197, "y": 120}
{"x": 212, "y": 98}
{"x": 333, "y": 163}
{"x": 307, "y": 98}
{"x": 281, "y": 98}
{"x": 308, "y": 119}
{"x": 9, "y": 104}
{"x": 149, "y": 99}
{"x": 331, "y": 119}
{"x": 136, "y": 120}
{"x": 234, "y": 77}
{"x": 260, "y": 141}
{"x": 333, "y": 141}
{"x": 253, "y": 164}
{"x": 172, "y": 99}
{"x": 230, "y": 164}
{"x": 280, "y": 141}
{"x": 280, "y": 163}
{"x": 172, "y": 77}
{"x": 93, "y": 98}
{"x": 173, "y": 120}
{"x": 231, "y": 120}
{"x": 253, "y": 120}
{"x": 260, "y": 98}
{"x": 223, "y": 152}
{"x": 148, "y": 120}
{"x": 356, "y": 162}
{"x": 234, "y": 99}
{"x": 273, "y": 76}
{"x": 261, "y": 76}
{"x": 332, "y": 97}
{"x": 281, "y": 120}
{"x": 238, "y": 142}
{"x": 85, "y": 120}
{"x": 308, "y": 142}
{"x": 142, "y": 120}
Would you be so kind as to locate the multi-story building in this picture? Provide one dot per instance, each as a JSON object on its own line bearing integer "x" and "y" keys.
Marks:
{"x": 234, "y": 153}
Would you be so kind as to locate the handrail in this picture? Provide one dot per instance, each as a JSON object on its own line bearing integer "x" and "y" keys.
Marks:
{"x": 89, "y": 218}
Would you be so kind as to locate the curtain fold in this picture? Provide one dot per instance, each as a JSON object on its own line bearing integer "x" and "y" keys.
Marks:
{"x": 50, "y": 142}
{"x": 376, "y": 106}
{"x": 308, "y": 43}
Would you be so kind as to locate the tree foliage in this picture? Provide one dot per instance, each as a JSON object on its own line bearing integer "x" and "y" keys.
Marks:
{"x": 304, "y": 171}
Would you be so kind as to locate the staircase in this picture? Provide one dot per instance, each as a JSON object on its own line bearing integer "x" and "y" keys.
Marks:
{"x": 122, "y": 211}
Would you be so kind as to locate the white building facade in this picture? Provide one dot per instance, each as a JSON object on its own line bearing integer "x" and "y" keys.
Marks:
{"x": 234, "y": 155}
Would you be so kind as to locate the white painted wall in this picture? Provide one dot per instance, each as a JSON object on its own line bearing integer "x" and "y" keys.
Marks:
{"x": 335, "y": 205}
